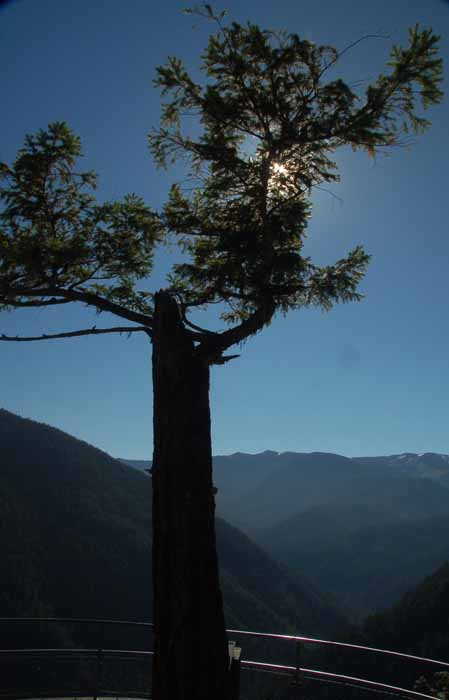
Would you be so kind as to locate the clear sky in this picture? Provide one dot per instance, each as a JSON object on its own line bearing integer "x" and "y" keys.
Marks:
{"x": 365, "y": 379}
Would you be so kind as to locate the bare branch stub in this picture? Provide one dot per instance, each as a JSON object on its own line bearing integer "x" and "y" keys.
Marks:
{"x": 73, "y": 334}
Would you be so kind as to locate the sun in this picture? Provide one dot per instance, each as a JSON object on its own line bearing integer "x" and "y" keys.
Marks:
{"x": 278, "y": 169}
{"x": 278, "y": 183}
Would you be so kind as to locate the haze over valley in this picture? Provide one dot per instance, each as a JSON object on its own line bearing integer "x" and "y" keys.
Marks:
{"x": 355, "y": 537}
{"x": 352, "y": 535}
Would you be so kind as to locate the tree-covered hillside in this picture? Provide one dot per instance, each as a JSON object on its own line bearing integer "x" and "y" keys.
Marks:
{"x": 417, "y": 624}
{"x": 360, "y": 554}
{"x": 75, "y": 538}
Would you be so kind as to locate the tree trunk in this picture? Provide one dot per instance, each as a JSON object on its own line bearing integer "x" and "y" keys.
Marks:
{"x": 191, "y": 658}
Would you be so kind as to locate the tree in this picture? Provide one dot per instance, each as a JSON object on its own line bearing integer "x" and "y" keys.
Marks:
{"x": 436, "y": 686}
{"x": 267, "y": 124}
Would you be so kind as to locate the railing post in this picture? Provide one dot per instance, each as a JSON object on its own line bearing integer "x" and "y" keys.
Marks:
{"x": 99, "y": 660}
{"x": 234, "y": 670}
{"x": 297, "y": 680}
{"x": 98, "y": 673}
{"x": 235, "y": 679}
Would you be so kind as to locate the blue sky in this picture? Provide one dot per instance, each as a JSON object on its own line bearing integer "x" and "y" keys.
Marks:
{"x": 368, "y": 378}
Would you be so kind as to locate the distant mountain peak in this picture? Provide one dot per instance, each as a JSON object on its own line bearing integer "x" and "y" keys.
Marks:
{"x": 250, "y": 455}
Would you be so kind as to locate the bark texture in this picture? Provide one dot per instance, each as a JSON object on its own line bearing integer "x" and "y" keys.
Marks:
{"x": 191, "y": 658}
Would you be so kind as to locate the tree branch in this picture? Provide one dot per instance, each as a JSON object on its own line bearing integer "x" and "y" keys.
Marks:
{"x": 73, "y": 334}
{"x": 213, "y": 347}
{"x": 49, "y": 302}
{"x": 68, "y": 295}
{"x": 352, "y": 46}
{"x": 104, "y": 305}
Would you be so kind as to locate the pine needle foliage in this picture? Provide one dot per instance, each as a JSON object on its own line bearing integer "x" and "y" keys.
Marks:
{"x": 270, "y": 124}
{"x": 56, "y": 242}
{"x": 257, "y": 133}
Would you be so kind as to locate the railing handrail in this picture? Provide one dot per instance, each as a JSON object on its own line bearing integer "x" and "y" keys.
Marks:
{"x": 313, "y": 640}
{"x": 338, "y": 676}
{"x": 256, "y": 665}
{"x": 279, "y": 669}
{"x": 77, "y": 619}
{"x": 73, "y": 652}
{"x": 268, "y": 635}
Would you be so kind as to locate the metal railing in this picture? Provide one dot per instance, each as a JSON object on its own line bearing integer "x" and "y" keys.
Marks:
{"x": 102, "y": 672}
{"x": 298, "y": 673}
{"x": 74, "y": 673}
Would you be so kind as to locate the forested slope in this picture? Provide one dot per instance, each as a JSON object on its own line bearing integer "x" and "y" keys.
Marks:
{"x": 359, "y": 554}
{"x": 417, "y": 624}
{"x": 76, "y": 541}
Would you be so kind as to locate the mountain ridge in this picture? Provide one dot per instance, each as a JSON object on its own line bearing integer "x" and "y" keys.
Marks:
{"x": 431, "y": 465}
{"x": 374, "y": 519}
{"x": 76, "y": 539}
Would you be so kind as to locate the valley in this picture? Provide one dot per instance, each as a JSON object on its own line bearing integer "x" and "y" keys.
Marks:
{"x": 307, "y": 543}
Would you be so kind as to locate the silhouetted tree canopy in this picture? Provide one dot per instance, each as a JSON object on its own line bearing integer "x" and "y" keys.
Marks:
{"x": 268, "y": 117}
{"x": 257, "y": 133}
